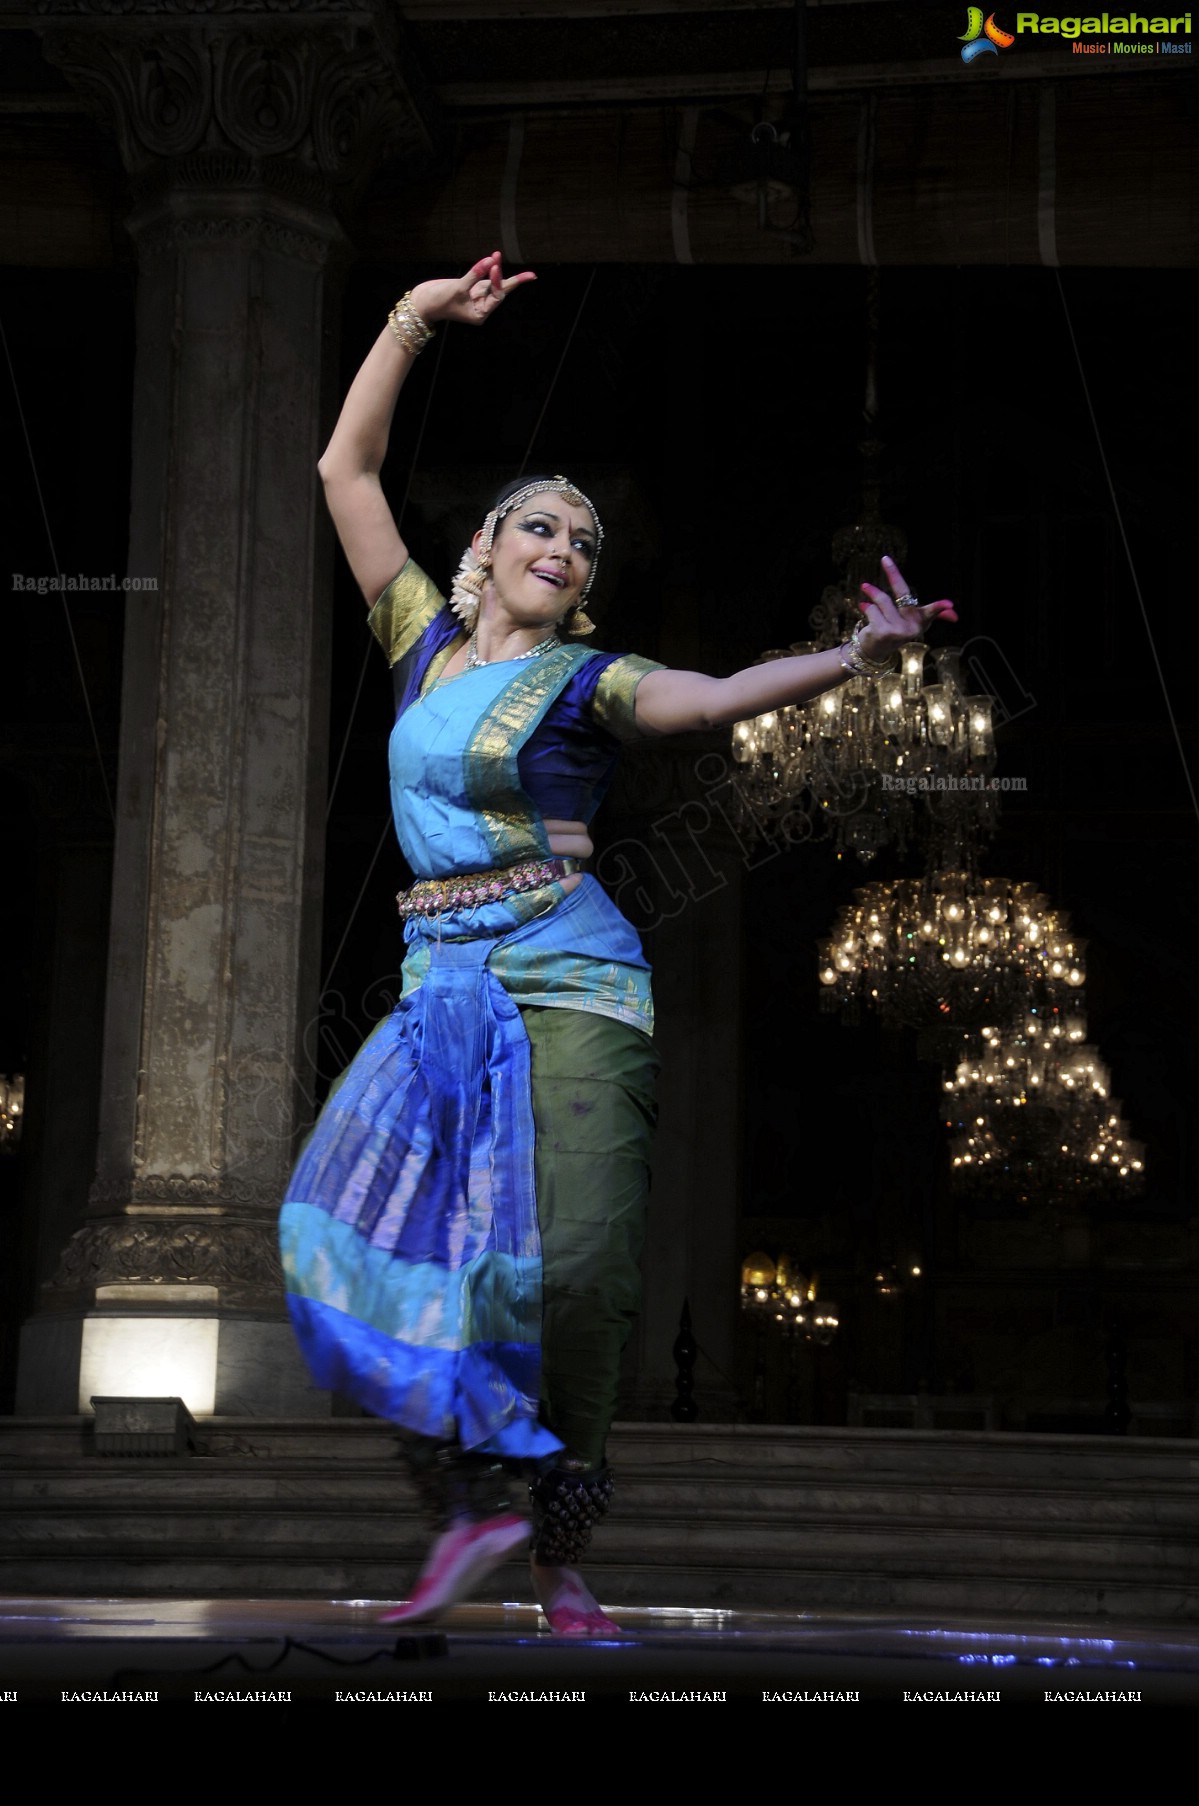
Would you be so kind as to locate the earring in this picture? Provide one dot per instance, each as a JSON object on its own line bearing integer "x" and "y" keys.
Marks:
{"x": 470, "y": 580}
{"x": 576, "y": 621}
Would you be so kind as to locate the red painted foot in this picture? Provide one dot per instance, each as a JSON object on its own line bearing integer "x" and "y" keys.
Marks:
{"x": 568, "y": 1604}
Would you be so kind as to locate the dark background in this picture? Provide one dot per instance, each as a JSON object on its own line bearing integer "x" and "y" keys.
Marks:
{"x": 715, "y": 415}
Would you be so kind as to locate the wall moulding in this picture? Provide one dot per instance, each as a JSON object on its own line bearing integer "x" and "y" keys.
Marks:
{"x": 240, "y": 1259}
{"x": 164, "y": 234}
{"x": 226, "y": 171}
{"x": 194, "y": 1191}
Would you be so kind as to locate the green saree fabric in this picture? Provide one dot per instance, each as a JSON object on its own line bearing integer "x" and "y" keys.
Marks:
{"x": 593, "y": 1106}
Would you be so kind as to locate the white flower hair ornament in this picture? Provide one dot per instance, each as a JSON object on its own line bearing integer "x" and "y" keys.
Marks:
{"x": 467, "y": 588}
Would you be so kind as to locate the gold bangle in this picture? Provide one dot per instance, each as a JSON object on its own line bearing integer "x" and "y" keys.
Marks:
{"x": 409, "y": 329}
{"x": 855, "y": 661}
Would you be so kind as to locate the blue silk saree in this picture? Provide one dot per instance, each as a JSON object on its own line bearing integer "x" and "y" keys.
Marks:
{"x": 410, "y": 1235}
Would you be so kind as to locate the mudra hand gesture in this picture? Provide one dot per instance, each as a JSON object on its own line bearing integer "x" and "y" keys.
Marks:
{"x": 471, "y": 299}
{"x": 891, "y": 620}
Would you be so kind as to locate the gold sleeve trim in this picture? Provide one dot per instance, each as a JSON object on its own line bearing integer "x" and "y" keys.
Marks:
{"x": 616, "y": 692}
{"x": 406, "y": 607}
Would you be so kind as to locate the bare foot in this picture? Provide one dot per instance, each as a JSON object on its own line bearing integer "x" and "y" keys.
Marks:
{"x": 569, "y": 1605}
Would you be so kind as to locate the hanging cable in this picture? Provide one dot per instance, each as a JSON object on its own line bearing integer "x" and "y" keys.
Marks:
{"x": 801, "y": 131}
{"x": 87, "y": 701}
{"x": 557, "y": 373}
{"x": 325, "y": 982}
{"x": 367, "y": 653}
{"x": 1111, "y": 489}
{"x": 368, "y": 649}
{"x": 528, "y": 453}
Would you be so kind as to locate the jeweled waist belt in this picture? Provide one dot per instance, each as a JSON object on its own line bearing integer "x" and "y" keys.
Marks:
{"x": 466, "y": 890}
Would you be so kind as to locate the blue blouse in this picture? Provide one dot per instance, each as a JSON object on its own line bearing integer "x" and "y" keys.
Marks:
{"x": 568, "y": 762}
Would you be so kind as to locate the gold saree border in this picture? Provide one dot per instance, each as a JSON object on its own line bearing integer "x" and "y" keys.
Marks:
{"x": 510, "y": 825}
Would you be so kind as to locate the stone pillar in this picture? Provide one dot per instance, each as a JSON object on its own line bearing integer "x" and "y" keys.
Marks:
{"x": 677, "y": 869}
{"x": 236, "y": 140}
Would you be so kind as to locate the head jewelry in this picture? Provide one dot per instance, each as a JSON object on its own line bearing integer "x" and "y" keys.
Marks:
{"x": 472, "y": 572}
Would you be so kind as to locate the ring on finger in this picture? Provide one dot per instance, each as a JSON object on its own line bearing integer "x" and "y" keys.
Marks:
{"x": 907, "y": 600}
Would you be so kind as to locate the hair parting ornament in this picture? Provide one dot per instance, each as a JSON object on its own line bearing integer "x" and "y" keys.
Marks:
{"x": 473, "y": 572}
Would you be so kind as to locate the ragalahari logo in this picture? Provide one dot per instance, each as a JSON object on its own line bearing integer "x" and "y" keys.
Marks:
{"x": 983, "y": 37}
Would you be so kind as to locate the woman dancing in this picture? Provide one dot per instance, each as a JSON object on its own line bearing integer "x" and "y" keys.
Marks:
{"x": 461, "y": 1234}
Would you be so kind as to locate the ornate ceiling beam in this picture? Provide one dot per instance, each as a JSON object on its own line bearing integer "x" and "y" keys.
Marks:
{"x": 441, "y": 11}
{"x": 598, "y": 92}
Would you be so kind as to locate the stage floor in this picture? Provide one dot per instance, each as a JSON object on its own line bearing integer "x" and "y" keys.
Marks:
{"x": 262, "y": 1653}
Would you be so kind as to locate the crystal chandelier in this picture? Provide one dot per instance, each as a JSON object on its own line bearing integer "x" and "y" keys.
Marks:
{"x": 1033, "y": 1108}
{"x": 892, "y": 1280}
{"x": 1047, "y": 1062}
{"x": 12, "y": 1110}
{"x": 1078, "y": 1153}
{"x": 951, "y": 951}
{"x": 778, "y": 1294}
{"x": 878, "y": 760}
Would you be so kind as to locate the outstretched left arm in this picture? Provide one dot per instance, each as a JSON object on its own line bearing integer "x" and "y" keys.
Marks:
{"x": 677, "y": 702}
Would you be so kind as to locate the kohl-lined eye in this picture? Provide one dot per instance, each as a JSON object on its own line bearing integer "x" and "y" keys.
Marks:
{"x": 547, "y": 528}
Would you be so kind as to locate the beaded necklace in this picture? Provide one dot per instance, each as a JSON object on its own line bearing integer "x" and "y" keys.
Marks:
{"x": 473, "y": 661}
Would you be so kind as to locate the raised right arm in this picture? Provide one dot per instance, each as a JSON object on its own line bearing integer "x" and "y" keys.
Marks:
{"x": 354, "y": 456}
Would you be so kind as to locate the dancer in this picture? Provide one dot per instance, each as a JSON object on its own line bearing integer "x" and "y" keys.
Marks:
{"x": 462, "y": 1232}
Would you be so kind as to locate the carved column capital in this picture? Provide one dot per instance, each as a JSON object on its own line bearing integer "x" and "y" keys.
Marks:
{"x": 261, "y": 91}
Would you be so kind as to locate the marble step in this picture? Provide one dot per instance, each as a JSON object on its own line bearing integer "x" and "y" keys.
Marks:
{"x": 951, "y": 1455}
{"x": 279, "y": 1529}
{"x": 718, "y": 1517}
{"x": 283, "y": 1555}
{"x": 205, "y": 1486}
